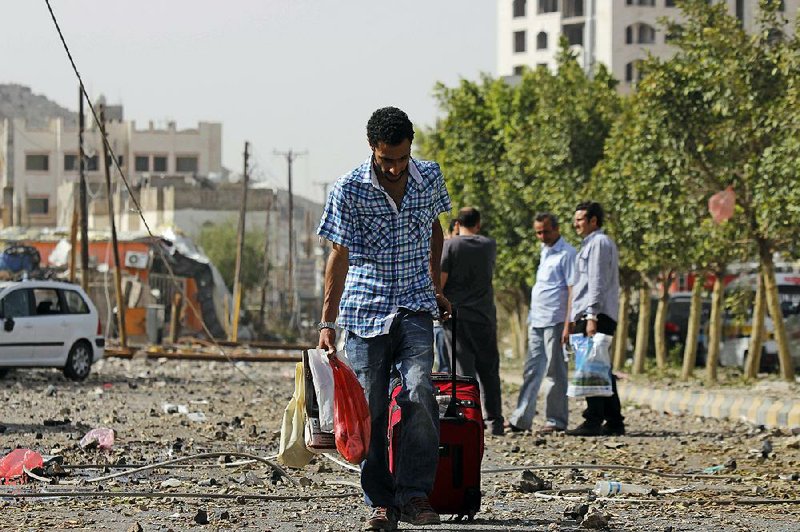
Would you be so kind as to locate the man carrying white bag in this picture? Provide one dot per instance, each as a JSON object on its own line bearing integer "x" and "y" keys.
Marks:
{"x": 595, "y": 305}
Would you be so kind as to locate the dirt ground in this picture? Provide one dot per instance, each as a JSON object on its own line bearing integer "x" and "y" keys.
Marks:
{"x": 242, "y": 407}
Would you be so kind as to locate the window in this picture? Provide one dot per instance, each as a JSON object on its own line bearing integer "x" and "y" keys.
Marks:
{"x": 573, "y": 8}
{"x": 186, "y": 164}
{"x": 17, "y": 304}
{"x": 70, "y": 162}
{"x": 518, "y": 70}
{"x": 632, "y": 73}
{"x": 159, "y": 163}
{"x": 548, "y": 6}
{"x": 648, "y": 3}
{"x": 141, "y": 163}
{"x": 669, "y": 3}
{"x": 647, "y": 34}
{"x": 92, "y": 163}
{"x": 519, "y": 41}
{"x": 74, "y": 303}
{"x": 541, "y": 41}
{"x": 37, "y": 163}
{"x": 519, "y": 8}
{"x": 574, "y": 34}
{"x": 46, "y": 301}
{"x": 38, "y": 205}
{"x": 640, "y": 34}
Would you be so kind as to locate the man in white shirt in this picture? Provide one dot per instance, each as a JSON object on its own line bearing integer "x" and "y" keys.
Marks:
{"x": 550, "y": 301}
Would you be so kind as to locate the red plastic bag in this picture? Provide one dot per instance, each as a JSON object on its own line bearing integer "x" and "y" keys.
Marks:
{"x": 11, "y": 465}
{"x": 721, "y": 205}
{"x": 351, "y": 421}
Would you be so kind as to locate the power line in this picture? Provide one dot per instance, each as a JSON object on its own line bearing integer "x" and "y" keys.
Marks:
{"x": 137, "y": 205}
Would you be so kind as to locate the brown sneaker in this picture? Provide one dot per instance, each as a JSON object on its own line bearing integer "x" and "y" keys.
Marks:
{"x": 418, "y": 511}
{"x": 382, "y": 519}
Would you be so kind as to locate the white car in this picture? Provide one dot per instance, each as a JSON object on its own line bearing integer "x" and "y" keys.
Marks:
{"x": 49, "y": 324}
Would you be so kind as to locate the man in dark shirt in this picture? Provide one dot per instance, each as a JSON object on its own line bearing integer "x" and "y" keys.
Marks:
{"x": 467, "y": 269}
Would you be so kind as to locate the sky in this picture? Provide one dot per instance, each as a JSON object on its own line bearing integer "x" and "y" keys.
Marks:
{"x": 281, "y": 74}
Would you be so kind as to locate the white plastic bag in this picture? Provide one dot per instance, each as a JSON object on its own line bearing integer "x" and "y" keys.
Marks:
{"x": 323, "y": 386}
{"x": 592, "y": 375}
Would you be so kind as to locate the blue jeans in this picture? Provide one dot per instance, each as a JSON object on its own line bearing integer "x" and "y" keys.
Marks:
{"x": 408, "y": 351}
{"x": 440, "y": 346}
{"x": 545, "y": 360}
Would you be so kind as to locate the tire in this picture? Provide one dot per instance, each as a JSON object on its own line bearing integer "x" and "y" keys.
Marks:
{"x": 4, "y": 372}
{"x": 79, "y": 361}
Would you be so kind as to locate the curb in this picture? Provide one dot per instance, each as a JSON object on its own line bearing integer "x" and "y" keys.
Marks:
{"x": 771, "y": 413}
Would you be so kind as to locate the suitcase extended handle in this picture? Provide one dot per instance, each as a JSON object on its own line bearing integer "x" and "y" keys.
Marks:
{"x": 452, "y": 408}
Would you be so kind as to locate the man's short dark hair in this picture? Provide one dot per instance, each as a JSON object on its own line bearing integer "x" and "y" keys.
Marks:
{"x": 452, "y": 226}
{"x": 593, "y": 210}
{"x": 469, "y": 217}
{"x": 389, "y": 125}
{"x": 542, "y": 216}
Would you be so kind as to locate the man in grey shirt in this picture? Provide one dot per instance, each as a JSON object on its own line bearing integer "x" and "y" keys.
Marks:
{"x": 467, "y": 269}
{"x": 550, "y": 300}
{"x": 595, "y": 307}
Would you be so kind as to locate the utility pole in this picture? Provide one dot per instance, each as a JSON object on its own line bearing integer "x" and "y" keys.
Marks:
{"x": 265, "y": 279}
{"x": 83, "y": 197}
{"x": 237, "y": 286}
{"x": 290, "y": 158}
{"x": 123, "y": 337}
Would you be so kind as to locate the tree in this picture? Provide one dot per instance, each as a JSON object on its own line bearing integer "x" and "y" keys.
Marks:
{"x": 727, "y": 100}
{"x": 515, "y": 150}
{"x": 219, "y": 243}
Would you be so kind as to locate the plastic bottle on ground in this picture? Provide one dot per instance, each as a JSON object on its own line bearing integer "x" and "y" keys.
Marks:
{"x": 606, "y": 488}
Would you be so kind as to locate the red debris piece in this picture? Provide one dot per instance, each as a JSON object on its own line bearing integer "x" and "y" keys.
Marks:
{"x": 721, "y": 205}
{"x": 12, "y": 464}
{"x": 103, "y": 437}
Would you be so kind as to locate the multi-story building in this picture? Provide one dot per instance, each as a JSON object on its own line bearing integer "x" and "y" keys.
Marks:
{"x": 39, "y": 158}
{"x": 616, "y": 33}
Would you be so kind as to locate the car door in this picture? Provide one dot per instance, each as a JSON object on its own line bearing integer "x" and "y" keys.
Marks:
{"x": 18, "y": 337}
{"x": 51, "y": 326}
{"x": 78, "y": 318}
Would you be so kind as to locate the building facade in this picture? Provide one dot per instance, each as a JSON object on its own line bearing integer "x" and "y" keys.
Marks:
{"x": 38, "y": 158}
{"x": 616, "y": 33}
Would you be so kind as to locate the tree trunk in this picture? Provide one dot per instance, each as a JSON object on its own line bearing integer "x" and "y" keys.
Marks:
{"x": 693, "y": 330}
{"x": 659, "y": 333}
{"x": 642, "y": 328}
{"x": 715, "y": 327}
{"x": 621, "y": 336}
{"x": 518, "y": 324}
{"x": 774, "y": 307}
{"x": 757, "y": 331}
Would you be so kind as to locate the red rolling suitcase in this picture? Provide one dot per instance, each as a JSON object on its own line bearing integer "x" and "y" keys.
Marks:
{"x": 457, "y": 488}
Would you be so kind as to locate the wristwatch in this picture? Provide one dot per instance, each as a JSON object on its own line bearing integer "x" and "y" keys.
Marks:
{"x": 591, "y": 317}
{"x": 326, "y": 325}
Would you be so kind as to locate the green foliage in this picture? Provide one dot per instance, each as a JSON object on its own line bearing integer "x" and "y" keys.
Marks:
{"x": 219, "y": 243}
{"x": 512, "y": 151}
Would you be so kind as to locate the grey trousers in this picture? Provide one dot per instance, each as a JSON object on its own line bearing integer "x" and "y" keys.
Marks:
{"x": 477, "y": 356}
{"x": 546, "y": 362}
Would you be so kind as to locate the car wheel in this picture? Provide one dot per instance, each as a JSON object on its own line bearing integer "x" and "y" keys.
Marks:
{"x": 4, "y": 372}
{"x": 79, "y": 361}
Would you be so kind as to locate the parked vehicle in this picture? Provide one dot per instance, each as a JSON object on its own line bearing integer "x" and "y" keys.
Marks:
{"x": 736, "y": 339}
{"x": 49, "y": 324}
{"x": 677, "y": 324}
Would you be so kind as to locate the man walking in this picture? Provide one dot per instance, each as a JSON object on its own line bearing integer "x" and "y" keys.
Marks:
{"x": 595, "y": 305}
{"x": 382, "y": 280}
{"x": 550, "y": 303}
{"x": 467, "y": 270}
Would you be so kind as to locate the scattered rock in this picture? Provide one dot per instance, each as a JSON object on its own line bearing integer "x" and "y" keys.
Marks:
{"x": 576, "y": 511}
{"x": 135, "y": 527}
{"x": 50, "y": 391}
{"x": 201, "y": 517}
{"x": 171, "y": 483}
{"x": 595, "y": 520}
{"x": 530, "y": 483}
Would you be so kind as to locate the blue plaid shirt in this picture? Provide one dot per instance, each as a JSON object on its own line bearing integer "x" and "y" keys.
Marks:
{"x": 389, "y": 249}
